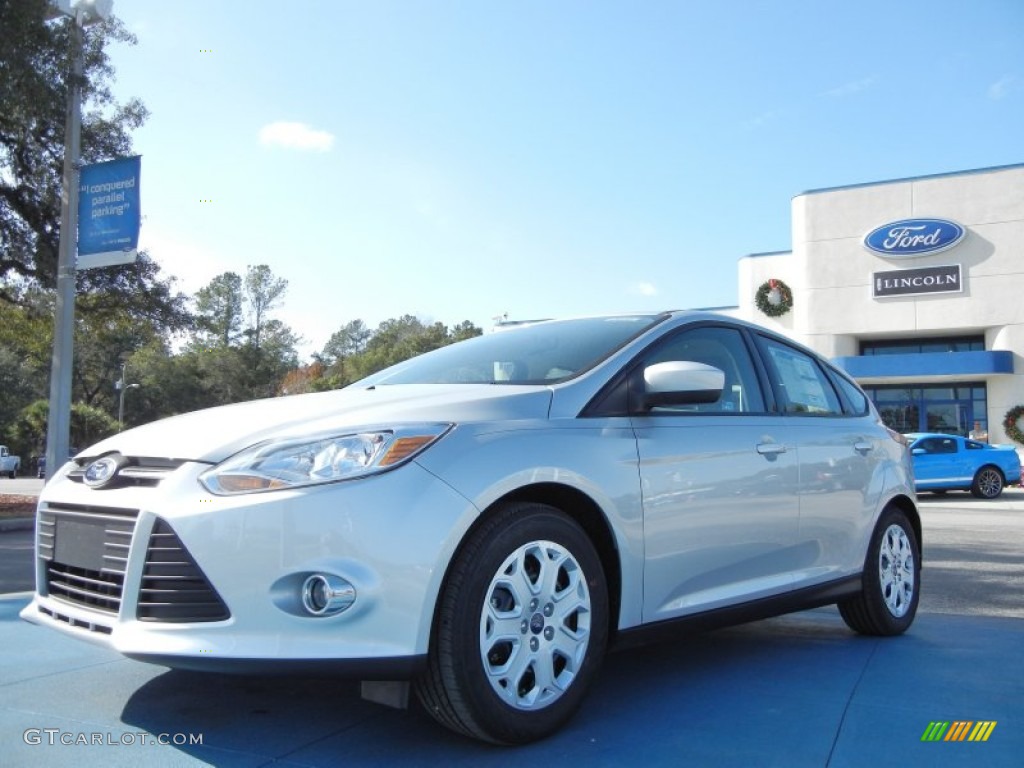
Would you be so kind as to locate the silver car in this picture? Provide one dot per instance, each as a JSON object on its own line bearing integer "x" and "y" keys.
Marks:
{"x": 479, "y": 524}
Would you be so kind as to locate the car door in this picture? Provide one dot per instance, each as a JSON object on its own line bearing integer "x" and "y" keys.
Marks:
{"x": 842, "y": 460}
{"x": 719, "y": 484}
{"x": 938, "y": 464}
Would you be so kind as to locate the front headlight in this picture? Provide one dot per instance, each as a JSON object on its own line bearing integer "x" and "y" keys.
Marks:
{"x": 279, "y": 464}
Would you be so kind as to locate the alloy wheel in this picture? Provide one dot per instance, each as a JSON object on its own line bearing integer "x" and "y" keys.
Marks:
{"x": 535, "y": 625}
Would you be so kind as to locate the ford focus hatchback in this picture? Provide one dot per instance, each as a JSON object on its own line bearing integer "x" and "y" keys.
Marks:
{"x": 479, "y": 524}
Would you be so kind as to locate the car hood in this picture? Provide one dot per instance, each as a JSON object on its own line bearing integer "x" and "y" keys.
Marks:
{"x": 214, "y": 434}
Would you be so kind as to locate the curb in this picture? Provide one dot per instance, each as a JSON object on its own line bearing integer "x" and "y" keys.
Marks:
{"x": 17, "y": 524}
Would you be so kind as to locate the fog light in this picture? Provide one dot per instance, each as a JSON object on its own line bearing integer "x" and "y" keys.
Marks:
{"x": 326, "y": 595}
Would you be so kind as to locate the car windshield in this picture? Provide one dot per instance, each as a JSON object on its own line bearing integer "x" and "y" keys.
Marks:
{"x": 540, "y": 353}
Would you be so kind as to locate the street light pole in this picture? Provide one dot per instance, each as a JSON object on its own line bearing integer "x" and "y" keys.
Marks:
{"x": 58, "y": 428}
{"x": 59, "y": 424}
{"x": 122, "y": 387}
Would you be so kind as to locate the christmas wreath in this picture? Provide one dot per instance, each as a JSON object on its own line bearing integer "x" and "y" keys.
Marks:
{"x": 1010, "y": 423}
{"x": 774, "y": 298}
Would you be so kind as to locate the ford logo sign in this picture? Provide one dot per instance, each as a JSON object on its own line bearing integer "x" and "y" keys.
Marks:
{"x": 910, "y": 238}
{"x": 102, "y": 471}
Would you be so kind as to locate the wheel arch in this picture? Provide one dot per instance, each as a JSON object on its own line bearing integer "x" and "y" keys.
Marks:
{"x": 586, "y": 513}
{"x": 990, "y": 465}
{"x": 906, "y": 505}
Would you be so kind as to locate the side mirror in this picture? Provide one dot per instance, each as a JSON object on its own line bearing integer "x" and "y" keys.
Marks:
{"x": 918, "y": 451}
{"x": 681, "y": 383}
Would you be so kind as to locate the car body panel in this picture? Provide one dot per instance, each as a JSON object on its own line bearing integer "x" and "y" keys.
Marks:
{"x": 848, "y": 473}
{"x": 214, "y": 434}
{"x": 706, "y": 542}
{"x": 254, "y": 548}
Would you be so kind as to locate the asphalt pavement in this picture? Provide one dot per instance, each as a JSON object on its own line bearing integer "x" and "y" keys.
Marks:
{"x": 796, "y": 691}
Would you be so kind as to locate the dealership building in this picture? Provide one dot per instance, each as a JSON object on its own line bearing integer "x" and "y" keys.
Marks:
{"x": 915, "y": 287}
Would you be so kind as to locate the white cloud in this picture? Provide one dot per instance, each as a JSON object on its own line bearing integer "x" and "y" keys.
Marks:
{"x": 295, "y": 136}
{"x": 643, "y": 289}
{"x": 1001, "y": 87}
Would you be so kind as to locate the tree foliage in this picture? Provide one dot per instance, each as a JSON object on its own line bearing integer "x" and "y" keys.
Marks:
{"x": 35, "y": 61}
{"x": 88, "y": 425}
{"x": 354, "y": 352}
{"x": 219, "y": 309}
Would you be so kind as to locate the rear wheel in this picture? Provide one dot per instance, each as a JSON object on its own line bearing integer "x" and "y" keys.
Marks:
{"x": 521, "y": 628}
{"x": 888, "y": 599}
{"x": 988, "y": 483}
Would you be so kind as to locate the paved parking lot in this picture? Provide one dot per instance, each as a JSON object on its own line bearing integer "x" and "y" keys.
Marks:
{"x": 795, "y": 691}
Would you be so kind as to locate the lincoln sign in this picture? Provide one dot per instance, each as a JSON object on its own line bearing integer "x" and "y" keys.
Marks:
{"x": 910, "y": 282}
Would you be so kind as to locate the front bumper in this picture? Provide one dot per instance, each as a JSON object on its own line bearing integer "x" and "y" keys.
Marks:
{"x": 171, "y": 574}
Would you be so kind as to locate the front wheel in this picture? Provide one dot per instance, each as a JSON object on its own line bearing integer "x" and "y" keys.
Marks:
{"x": 891, "y": 580}
{"x": 988, "y": 483}
{"x": 521, "y": 628}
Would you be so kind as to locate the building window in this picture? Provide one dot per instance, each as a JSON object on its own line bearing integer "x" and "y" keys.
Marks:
{"x": 947, "y": 408}
{"x": 920, "y": 346}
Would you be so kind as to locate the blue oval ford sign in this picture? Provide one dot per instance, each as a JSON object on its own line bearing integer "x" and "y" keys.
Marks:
{"x": 909, "y": 238}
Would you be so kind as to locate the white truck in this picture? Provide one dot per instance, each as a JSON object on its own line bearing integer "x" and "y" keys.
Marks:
{"x": 9, "y": 465}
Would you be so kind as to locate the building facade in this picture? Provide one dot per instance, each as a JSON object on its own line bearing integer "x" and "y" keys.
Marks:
{"x": 915, "y": 287}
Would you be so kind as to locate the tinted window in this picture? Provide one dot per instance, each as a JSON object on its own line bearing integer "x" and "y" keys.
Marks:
{"x": 805, "y": 388}
{"x": 937, "y": 445}
{"x": 724, "y": 349}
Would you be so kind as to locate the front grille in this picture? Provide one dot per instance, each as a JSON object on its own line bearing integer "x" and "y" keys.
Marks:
{"x": 85, "y": 549}
{"x": 174, "y": 588}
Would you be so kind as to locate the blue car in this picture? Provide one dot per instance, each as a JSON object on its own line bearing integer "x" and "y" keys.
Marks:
{"x": 953, "y": 463}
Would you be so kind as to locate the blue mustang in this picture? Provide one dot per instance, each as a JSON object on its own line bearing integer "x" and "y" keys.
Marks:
{"x": 953, "y": 463}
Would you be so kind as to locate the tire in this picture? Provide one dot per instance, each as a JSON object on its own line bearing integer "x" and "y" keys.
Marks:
{"x": 891, "y": 580}
{"x": 988, "y": 483}
{"x": 520, "y": 630}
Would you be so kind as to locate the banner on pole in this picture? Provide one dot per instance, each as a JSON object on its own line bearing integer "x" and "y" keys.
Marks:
{"x": 108, "y": 213}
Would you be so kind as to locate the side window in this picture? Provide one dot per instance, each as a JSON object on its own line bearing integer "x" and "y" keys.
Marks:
{"x": 972, "y": 446}
{"x": 805, "y": 388}
{"x": 938, "y": 445}
{"x": 723, "y": 348}
{"x": 858, "y": 400}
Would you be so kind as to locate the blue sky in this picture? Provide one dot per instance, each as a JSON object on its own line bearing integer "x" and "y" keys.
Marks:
{"x": 460, "y": 160}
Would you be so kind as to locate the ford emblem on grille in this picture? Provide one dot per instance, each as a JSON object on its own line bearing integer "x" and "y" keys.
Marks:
{"x": 102, "y": 471}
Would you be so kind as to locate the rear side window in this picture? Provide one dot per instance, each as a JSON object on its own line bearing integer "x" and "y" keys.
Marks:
{"x": 804, "y": 387}
{"x": 857, "y": 400}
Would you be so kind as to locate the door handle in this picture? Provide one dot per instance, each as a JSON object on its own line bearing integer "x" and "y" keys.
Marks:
{"x": 862, "y": 447}
{"x": 770, "y": 449}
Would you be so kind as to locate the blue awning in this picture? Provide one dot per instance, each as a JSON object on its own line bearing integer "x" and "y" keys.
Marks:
{"x": 928, "y": 365}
